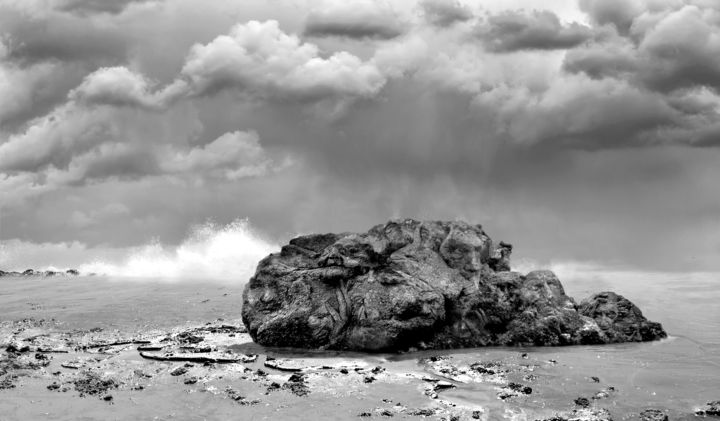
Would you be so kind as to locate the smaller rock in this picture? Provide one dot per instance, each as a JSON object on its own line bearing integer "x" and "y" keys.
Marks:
{"x": 476, "y": 415}
{"x": 107, "y": 398}
{"x": 582, "y": 402}
{"x": 191, "y": 380}
{"x": 423, "y": 412}
{"x": 442, "y": 384}
{"x": 711, "y": 409}
{"x": 7, "y": 383}
{"x": 178, "y": 371}
{"x": 17, "y": 348}
{"x": 653, "y": 415}
{"x": 368, "y": 379}
{"x": 595, "y": 379}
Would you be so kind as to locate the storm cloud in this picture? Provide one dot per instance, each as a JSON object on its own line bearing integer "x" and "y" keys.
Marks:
{"x": 538, "y": 30}
{"x": 355, "y": 19}
{"x": 588, "y": 131}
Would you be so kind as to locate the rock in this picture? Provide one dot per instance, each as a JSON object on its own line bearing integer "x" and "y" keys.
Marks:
{"x": 583, "y": 402}
{"x": 422, "y": 412}
{"x": 178, "y": 371}
{"x": 296, "y": 385}
{"x": 72, "y": 272}
{"x": 91, "y": 383}
{"x": 711, "y": 409}
{"x": 426, "y": 285}
{"x": 442, "y": 384}
{"x": 512, "y": 390}
{"x": 653, "y": 415}
{"x": 619, "y": 319}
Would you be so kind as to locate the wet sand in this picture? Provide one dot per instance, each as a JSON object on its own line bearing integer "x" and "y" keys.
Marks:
{"x": 677, "y": 375}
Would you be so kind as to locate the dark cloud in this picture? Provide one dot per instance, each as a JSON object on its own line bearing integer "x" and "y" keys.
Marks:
{"x": 619, "y": 13}
{"x": 538, "y": 30}
{"x": 603, "y": 60}
{"x": 62, "y": 37}
{"x": 445, "y": 12}
{"x": 355, "y": 19}
{"x": 86, "y": 7}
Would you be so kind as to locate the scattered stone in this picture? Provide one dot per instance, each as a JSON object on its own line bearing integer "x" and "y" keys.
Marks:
{"x": 581, "y": 401}
{"x": 17, "y": 348}
{"x": 368, "y": 379}
{"x": 514, "y": 389}
{"x": 365, "y": 414}
{"x": 653, "y": 415}
{"x": 7, "y": 383}
{"x": 273, "y": 387}
{"x": 178, "y": 371}
{"x": 284, "y": 365}
{"x": 424, "y": 412}
{"x": 242, "y": 400}
{"x": 710, "y": 409}
{"x": 53, "y": 386}
{"x": 90, "y": 383}
{"x": 191, "y": 380}
{"x": 296, "y": 385}
{"x": 442, "y": 384}
{"x": 476, "y": 415}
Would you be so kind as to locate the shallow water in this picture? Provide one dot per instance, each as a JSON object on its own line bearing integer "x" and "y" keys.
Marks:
{"x": 677, "y": 374}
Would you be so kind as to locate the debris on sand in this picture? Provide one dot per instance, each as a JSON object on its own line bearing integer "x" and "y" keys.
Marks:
{"x": 297, "y": 385}
{"x": 91, "y": 383}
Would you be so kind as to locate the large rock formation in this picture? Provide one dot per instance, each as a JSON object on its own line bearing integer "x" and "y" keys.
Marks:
{"x": 426, "y": 285}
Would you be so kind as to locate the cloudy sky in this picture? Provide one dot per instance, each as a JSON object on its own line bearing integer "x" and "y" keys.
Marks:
{"x": 578, "y": 130}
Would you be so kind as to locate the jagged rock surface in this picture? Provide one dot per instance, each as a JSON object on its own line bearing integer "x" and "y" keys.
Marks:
{"x": 419, "y": 284}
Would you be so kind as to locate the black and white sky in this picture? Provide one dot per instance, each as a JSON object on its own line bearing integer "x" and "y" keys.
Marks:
{"x": 578, "y": 130}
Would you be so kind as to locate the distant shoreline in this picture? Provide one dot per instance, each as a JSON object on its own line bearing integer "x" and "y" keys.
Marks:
{"x": 33, "y": 272}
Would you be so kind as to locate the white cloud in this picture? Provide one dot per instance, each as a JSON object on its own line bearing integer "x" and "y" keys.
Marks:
{"x": 119, "y": 86}
{"x": 231, "y": 156}
{"x": 260, "y": 59}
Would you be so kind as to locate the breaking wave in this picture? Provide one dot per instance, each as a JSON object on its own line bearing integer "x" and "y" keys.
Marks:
{"x": 229, "y": 252}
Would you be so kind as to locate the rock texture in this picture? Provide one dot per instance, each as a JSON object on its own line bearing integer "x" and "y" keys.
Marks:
{"x": 409, "y": 283}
